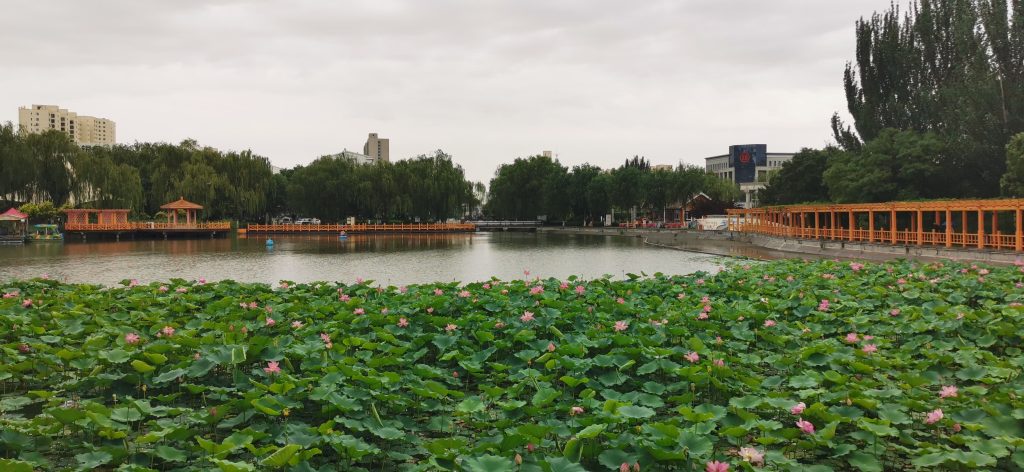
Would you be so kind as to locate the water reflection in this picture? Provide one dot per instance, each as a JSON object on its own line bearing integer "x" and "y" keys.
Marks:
{"x": 389, "y": 259}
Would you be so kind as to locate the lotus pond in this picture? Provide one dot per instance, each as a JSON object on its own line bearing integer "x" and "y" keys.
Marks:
{"x": 784, "y": 365}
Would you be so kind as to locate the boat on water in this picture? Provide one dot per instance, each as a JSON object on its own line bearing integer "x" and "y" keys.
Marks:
{"x": 45, "y": 233}
{"x": 342, "y": 236}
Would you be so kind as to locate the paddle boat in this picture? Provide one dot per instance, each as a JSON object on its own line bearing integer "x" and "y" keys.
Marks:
{"x": 45, "y": 233}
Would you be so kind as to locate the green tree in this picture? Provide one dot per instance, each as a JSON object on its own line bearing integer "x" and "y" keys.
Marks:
{"x": 950, "y": 67}
{"x": 1012, "y": 183}
{"x": 799, "y": 180}
{"x": 897, "y": 165}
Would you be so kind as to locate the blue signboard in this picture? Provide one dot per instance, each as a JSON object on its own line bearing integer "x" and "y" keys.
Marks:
{"x": 744, "y": 159}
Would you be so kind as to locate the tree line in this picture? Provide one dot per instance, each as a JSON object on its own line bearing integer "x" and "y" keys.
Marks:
{"x": 541, "y": 186}
{"x": 936, "y": 92}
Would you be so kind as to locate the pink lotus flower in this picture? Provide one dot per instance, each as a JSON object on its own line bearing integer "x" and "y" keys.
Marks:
{"x": 823, "y": 306}
{"x": 272, "y": 368}
{"x": 27, "y": 303}
{"x": 10, "y": 295}
{"x": 131, "y": 338}
{"x": 948, "y": 391}
{"x": 296, "y": 324}
{"x": 806, "y": 426}
{"x": 901, "y": 281}
{"x": 580, "y": 290}
{"x": 438, "y": 292}
{"x": 133, "y": 283}
{"x": 693, "y": 357}
{"x": 798, "y": 408}
{"x": 956, "y": 427}
{"x": 706, "y": 309}
{"x": 620, "y": 300}
{"x": 527, "y": 317}
{"x": 856, "y": 266}
{"x": 537, "y": 289}
{"x": 325, "y": 337}
{"x": 526, "y": 272}
{"x": 563, "y": 286}
{"x": 681, "y": 296}
{"x": 499, "y": 325}
{"x": 202, "y": 281}
{"x": 983, "y": 272}
{"x": 270, "y": 321}
{"x": 624, "y": 467}
{"x": 359, "y": 280}
{"x": 359, "y": 311}
{"x": 894, "y": 312}
{"x": 715, "y": 466}
{"x": 621, "y": 325}
{"x": 504, "y": 291}
{"x": 769, "y": 323}
{"x": 344, "y": 298}
{"x": 551, "y": 347}
{"x": 486, "y": 286}
{"x": 455, "y": 374}
{"x": 402, "y": 322}
{"x": 851, "y": 338}
{"x": 700, "y": 282}
{"x": 789, "y": 278}
{"x": 718, "y": 340}
{"x": 719, "y": 362}
{"x": 464, "y": 294}
{"x": 754, "y": 456}
{"x": 869, "y": 348}
{"x": 181, "y": 290}
{"x": 242, "y": 305}
{"x": 450, "y": 327}
{"x": 702, "y": 316}
{"x": 169, "y": 331}
{"x": 934, "y": 416}
{"x": 576, "y": 410}
{"x": 868, "y": 337}
{"x": 430, "y": 309}
{"x": 284, "y": 285}
{"x": 384, "y": 311}
{"x": 403, "y": 289}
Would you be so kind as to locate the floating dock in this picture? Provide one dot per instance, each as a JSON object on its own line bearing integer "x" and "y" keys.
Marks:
{"x": 358, "y": 229}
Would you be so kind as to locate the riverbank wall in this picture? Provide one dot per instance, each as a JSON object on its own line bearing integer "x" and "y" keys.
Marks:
{"x": 756, "y": 246}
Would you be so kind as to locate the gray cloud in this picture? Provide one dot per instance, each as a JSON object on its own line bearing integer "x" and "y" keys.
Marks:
{"x": 486, "y": 80}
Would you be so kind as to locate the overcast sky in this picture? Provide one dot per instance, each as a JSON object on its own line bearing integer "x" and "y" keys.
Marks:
{"x": 485, "y": 80}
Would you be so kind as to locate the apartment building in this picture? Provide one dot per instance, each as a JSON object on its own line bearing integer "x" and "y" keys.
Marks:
{"x": 748, "y": 166}
{"x": 376, "y": 148}
{"x": 83, "y": 130}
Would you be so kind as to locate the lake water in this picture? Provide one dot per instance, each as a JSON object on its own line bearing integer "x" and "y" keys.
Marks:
{"x": 388, "y": 259}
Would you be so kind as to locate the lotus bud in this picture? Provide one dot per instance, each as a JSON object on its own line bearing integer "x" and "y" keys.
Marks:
{"x": 636, "y": 466}
{"x": 530, "y": 447}
{"x": 624, "y": 467}
{"x": 519, "y": 459}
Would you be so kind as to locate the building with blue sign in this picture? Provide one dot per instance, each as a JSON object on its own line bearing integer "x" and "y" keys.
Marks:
{"x": 748, "y": 166}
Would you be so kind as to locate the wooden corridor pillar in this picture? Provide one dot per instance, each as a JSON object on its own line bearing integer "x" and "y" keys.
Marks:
{"x": 871, "y": 226}
{"x": 892, "y": 226}
{"x": 981, "y": 229}
{"x": 1018, "y": 245}
{"x": 920, "y": 227}
{"x": 949, "y": 228}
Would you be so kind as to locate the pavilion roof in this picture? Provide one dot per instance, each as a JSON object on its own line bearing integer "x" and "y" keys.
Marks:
{"x": 181, "y": 204}
{"x": 12, "y": 215}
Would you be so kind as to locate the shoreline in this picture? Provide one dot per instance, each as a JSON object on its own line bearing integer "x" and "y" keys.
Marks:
{"x": 755, "y": 246}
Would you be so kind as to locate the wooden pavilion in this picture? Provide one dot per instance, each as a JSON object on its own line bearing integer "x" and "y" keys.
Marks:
{"x": 181, "y": 204}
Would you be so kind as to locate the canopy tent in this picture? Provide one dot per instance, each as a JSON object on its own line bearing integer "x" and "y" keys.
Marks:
{"x": 13, "y": 215}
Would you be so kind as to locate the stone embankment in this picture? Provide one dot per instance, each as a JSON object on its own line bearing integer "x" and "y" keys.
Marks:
{"x": 735, "y": 244}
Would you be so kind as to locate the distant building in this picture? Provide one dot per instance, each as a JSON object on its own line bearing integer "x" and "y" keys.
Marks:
{"x": 355, "y": 156}
{"x": 83, "y": 130}
{"x": 747, "y": 165}
{"x": 376, "y": 148}
{"x": 667, "y": 167}
{"x": 546, "y": 154}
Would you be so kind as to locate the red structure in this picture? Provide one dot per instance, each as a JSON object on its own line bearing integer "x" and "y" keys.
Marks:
{"x": 97, "y": 220}
{"x": 181, "y": 204}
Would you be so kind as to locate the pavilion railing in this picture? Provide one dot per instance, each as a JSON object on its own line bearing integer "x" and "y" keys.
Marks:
{"x": 399, "y": 228}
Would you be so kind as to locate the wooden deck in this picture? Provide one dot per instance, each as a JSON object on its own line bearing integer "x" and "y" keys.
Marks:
{"x": 356, "y": 229}
{"x": 975, "y": 224}
{"x": 148, "y": 227}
